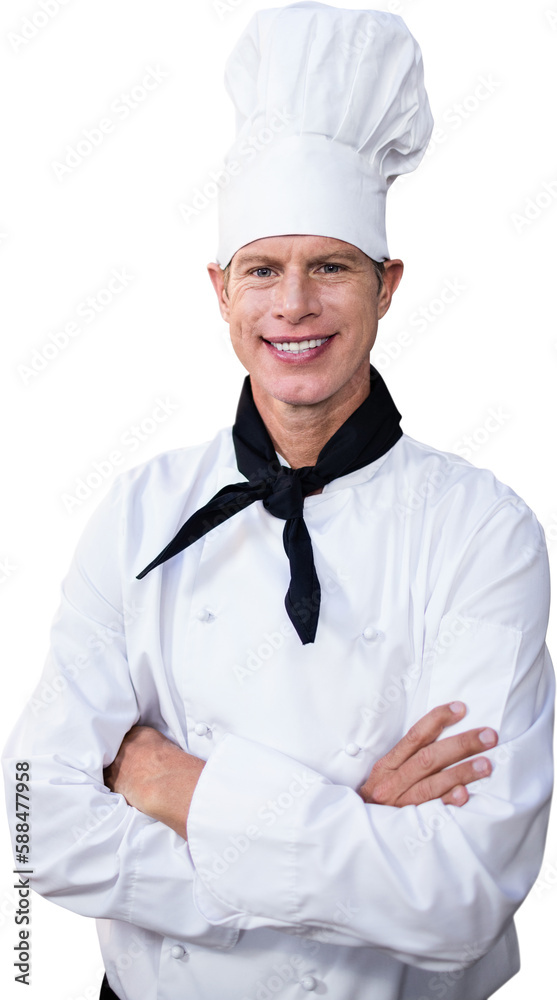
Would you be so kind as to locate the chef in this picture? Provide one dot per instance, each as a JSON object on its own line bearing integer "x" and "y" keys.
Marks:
{"x": 261, "y": 639}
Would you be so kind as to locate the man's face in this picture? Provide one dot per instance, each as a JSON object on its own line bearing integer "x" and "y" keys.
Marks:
{"x": 303, "y": 314}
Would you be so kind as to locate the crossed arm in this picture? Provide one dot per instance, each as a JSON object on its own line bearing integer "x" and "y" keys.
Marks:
{"x": 99, "y": 857}
{"x": 159, "y": 779}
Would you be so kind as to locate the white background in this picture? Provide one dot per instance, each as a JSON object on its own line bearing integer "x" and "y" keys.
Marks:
{"x": 460, "y": 218}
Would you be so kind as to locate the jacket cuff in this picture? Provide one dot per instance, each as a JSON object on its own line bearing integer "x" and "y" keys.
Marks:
{"x": 246, "y": 817}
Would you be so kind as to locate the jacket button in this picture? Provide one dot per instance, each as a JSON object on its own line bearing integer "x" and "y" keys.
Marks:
{"x": 177, "y": 951}
{"x": 204, "y": 615}
{"x": 201, "y": 729}
{"x": 352, "y": 749}
{"x": 371, "y": 634}
{"x": 309, "y": 983}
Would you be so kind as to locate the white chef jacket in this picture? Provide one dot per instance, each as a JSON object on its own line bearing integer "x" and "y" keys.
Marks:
{"x": 434, "y": 587}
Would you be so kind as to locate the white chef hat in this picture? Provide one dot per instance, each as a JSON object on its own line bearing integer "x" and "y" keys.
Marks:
{"x": 330, "y": 108}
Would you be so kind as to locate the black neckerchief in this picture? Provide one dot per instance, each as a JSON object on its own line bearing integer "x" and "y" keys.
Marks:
{"x": 365, "y": 436}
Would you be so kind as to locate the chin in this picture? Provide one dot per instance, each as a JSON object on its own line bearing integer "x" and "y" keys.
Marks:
{"x": 300, "y": 391}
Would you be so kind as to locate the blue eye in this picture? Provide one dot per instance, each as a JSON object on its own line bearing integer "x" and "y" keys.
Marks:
{"x": 258, "y": 269}
{"x": 332, "y": 265}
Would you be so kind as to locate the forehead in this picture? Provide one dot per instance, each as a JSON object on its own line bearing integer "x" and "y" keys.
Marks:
{"x": 296, "y": 249}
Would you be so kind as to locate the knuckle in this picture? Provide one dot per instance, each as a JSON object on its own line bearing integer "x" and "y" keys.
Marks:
{"x": 381, "y": 793}
{"x": 466, "y": 743}
{"x": 388, "y": 764}
{"x": 439, "y": 715}
{"x": 425, "y": 791}
{"x": 425, "y": 758}
{"x": 414, "y": 735}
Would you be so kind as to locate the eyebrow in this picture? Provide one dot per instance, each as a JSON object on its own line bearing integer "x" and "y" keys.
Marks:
{"x": 264, "y": 260}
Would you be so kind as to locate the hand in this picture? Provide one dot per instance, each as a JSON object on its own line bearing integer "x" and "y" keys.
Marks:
{"x": 155, "y": 776}
{"x": 414, "y": 771}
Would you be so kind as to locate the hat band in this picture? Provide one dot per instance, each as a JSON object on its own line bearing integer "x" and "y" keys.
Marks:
{"x": 302, "y": 185}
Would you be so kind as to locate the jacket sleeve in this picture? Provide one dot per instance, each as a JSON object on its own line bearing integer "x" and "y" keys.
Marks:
{"x": 276, "y": 844}
{"x": 89, "y": 850}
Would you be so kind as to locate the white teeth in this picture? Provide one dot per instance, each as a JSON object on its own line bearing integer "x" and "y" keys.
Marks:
{"x": 294, "y": 347}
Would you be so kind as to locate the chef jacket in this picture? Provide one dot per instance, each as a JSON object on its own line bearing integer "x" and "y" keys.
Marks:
{"x": 434, "y": 586}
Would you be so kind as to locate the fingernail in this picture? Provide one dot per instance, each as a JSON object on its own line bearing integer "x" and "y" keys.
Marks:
{"x": 480, "y": 766}
{"x": 458, "y": 707}
{"x": 488, "y": 737}
{"x": 458, "y": 795}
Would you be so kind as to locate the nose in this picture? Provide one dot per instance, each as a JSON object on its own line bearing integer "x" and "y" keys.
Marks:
{"x": 295, "y": 298}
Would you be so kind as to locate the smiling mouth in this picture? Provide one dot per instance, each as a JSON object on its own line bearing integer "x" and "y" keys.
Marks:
{"x": 297, "y": 346}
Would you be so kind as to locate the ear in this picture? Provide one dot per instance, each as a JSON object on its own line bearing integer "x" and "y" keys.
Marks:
{"x": 216, "y": 275}
{"x": 391, "y": 280}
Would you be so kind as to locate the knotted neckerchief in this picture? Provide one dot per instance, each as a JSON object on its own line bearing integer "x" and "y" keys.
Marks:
{"x": 366, "y": 435}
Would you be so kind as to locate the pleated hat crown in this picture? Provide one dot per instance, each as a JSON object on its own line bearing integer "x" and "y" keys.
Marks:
{"x": 330, "y": 108}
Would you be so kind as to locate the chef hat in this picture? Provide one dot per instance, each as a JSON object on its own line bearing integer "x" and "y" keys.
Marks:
{"x": 330, "y": 108}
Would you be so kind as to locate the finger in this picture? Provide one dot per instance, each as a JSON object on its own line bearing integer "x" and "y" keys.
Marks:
{"x": 431, "y": 760}
{"x": 446, "y": 783}
{"x": 444, "y": 753}
{"x": 456, "y": 797}
{"x": 424, "y": 732}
